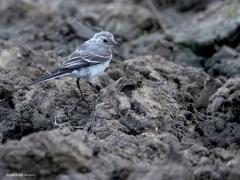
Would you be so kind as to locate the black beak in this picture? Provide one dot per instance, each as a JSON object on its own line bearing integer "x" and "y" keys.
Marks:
{"x": 115, "y": 43}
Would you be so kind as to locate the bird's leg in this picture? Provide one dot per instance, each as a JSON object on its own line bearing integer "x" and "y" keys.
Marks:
{"x": 79, "y": 88}
{"x": 93, "y": 87}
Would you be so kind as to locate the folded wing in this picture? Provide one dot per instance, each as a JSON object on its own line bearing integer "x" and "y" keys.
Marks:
{"x": 81, "y": 59}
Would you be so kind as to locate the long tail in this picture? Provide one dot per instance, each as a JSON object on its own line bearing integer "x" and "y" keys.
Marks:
{"x": 53, "y": 75}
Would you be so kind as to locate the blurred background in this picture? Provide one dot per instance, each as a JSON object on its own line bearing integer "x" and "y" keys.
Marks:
{"x": 195, "y": 30}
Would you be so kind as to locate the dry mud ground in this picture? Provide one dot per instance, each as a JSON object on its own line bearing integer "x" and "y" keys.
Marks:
{"x": 168, "y": 107}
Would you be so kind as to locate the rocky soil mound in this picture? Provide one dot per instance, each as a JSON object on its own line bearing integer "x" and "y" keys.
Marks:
{"x": 168, "y": 106}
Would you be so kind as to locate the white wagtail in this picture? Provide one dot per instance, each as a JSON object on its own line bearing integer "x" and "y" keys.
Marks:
{"x": 89, "y": 60}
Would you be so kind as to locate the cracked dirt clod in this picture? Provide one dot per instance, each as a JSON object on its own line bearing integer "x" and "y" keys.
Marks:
{"x": 213, "y": 27}
{"x": 44, "y": 154}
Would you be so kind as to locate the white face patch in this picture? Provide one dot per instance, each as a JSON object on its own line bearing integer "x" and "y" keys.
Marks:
{"x": 104, "y": 38}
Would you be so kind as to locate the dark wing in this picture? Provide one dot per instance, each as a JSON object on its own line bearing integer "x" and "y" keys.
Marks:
{"x": 82, "y": 59}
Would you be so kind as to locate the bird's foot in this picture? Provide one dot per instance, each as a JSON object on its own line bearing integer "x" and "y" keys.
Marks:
{"x": 93, "y": 87}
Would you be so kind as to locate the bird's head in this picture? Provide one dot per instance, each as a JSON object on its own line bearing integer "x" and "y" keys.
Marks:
{"x": 105, "y": 38}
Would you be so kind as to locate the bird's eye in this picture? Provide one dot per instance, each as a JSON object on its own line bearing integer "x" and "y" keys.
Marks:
{"x": 104, "y": 40}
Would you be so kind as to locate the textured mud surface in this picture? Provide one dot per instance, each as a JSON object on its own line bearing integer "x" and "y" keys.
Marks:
{"x": 168, "y": 106}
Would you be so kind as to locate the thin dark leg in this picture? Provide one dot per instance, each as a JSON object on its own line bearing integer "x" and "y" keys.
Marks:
{"x": 77, "y": 81}
{"x": 94, "y": 88}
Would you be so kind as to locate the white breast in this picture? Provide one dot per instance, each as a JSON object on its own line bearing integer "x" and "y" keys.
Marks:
{"x": 90, "y": 72}
{"x": 98, "y": 69}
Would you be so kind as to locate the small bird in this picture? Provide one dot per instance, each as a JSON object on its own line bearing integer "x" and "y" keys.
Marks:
{"x": 89, "y": 60}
